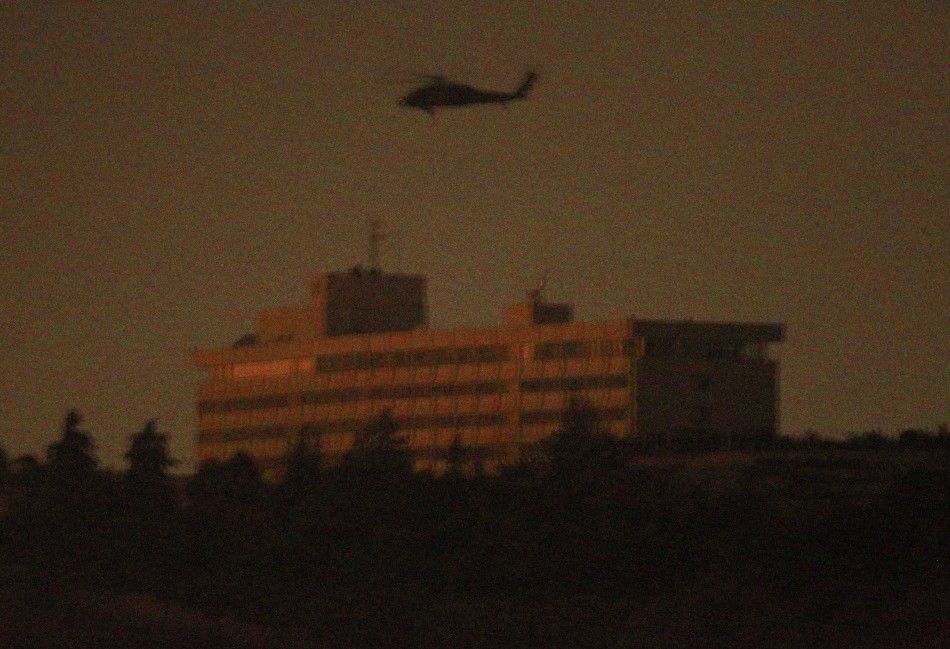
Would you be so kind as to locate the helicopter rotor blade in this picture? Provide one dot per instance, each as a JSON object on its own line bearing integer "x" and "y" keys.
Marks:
{"x": 396, "y": 76}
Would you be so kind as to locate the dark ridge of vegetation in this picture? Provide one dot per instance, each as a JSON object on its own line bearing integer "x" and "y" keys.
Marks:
{"x": 587, "y": 541}
{"x": 4, "y": 467}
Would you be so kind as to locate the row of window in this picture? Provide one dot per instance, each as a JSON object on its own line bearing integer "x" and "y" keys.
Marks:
{"x": 478, "y": 420}
{"x": 327, "y": 363}
{"x": 582, "y": 349}
{"x": 575, "y": 383}
{"x": 352, "y": 425}
{"x": 262, "y": 369}
{"x": 416, "y": 422}
{"x": 413, "y": 422}
{"x": 668, "y": 347}
{"x": 344, "y": 395}
{"x": 403, "y": 392}
{"x": 555, "y": 416}
{"x": 242, "y": 404}
{"x": 240, "y": 434}
{"x": 411, "y": 358}
{"x": 274, "y": 458}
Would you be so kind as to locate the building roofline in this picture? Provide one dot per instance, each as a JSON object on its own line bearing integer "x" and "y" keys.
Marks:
{"x": 757, "y": 331}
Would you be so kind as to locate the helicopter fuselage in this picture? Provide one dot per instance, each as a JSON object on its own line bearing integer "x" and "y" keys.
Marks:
{"x": 441, "y": 93}
{"x": 428, "y": 97}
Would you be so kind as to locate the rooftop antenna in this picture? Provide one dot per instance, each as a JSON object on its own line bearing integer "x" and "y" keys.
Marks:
{"x": 538, "y": 289}
{"x": 375, "y": 237}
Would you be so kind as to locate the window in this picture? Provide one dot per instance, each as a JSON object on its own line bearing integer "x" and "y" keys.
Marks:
{"x": 260, "y": 369}
{"x": 402, "y": 358}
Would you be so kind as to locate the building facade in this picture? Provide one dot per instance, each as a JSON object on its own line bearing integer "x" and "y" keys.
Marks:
{"x": 361, "y": 346}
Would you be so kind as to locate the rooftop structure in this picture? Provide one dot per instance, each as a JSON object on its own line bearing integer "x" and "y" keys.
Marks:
{"x": 361, "y": 346}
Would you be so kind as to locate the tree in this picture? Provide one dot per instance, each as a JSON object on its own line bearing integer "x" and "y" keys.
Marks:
{"x": 303, "y": 463}
{"x": 872, "y": 439}
{"x": 148, "y": 456}
{"x": 4, "y": 466}
{"x": 460, "y": 458}
{"x": 26, "y": 467}
{"x": 916, "y": 438}
{"x": 147, "y": 480}
{"x": 579, "y": 446}
{"x": 379, "y": 450}
{"x": 237, "y": 481}
{"x": 72, "y": 458}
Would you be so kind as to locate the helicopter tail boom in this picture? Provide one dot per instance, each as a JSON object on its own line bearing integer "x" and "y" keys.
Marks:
{"x": 525, "y": 86}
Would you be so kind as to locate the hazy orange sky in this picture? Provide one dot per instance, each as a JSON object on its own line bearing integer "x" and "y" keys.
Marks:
{"x": 166, "y": 169}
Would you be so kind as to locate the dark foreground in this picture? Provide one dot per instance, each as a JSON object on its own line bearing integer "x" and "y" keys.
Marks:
{"x": 798, "y": 548}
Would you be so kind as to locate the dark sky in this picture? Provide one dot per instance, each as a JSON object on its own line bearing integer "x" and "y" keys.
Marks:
{"x": 166, "y": 169}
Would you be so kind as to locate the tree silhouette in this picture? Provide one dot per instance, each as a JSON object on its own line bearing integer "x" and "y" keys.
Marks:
{"x": 871, "y": 439}
{"x": 72, "y": 458}
{"x": 579, "y": 446}
{"x": 146, "y": 480}
{"x": 26, "y": 467}
{"x": 460, "y": 458}
{"x": 4, "y": 466}
{"x": 303, "y": 464}
{"x": 379, "y": 450}
{"x": 148, "y": 456}
{"x": 237, "y": 481}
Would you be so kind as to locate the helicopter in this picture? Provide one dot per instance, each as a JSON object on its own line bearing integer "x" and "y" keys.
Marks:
{"x": 442, "y": 93}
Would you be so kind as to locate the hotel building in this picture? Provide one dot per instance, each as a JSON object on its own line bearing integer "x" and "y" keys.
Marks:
{"x": 361, "y": 346}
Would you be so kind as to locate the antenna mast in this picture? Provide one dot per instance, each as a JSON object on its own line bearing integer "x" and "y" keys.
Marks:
{"x": 535, "y": 293}
{"x": 375, "y": 237}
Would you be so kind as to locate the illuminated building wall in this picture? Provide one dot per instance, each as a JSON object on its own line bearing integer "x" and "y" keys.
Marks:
{"x": 363, "y": 348}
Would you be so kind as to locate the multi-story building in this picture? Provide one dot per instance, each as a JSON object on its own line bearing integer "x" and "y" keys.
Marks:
{"x": 361, "y": 346}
